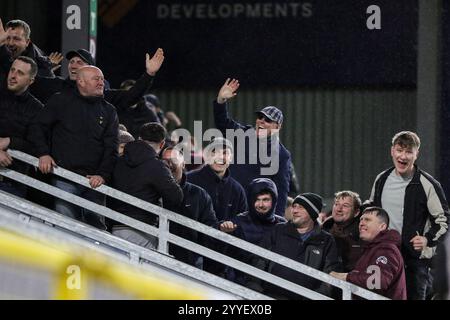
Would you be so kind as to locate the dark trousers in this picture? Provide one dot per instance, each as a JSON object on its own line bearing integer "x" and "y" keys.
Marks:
{"x": 78, "y": 213}
{"x": 13, "y": 187}
{"x": 418, "y": 278}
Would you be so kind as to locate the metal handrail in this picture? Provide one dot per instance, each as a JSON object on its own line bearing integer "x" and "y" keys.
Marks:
{"x": 347, "y": 288}
{"x": 136, "y": 253}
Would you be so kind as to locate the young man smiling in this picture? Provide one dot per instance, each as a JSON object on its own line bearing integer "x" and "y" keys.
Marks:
{"x": 417, "y": 209}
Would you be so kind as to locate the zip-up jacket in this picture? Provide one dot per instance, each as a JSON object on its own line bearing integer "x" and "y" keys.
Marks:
{"x": 382, "y": 257}
{"x": 80, "y": 133}
{"x": 425, "y": 210}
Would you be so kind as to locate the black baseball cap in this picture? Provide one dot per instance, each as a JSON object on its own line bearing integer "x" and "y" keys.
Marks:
{"x": 83, "y": 54}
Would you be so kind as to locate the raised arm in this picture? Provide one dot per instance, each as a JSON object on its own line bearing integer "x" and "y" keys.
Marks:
{"x": 222, "y": 119}
{"x": 123, "y": 99}
{"x": 228, "y": 91}
{"x": 154, "y": 64}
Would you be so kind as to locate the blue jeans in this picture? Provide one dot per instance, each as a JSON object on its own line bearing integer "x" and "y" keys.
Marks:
{"x": 72, "y": 211}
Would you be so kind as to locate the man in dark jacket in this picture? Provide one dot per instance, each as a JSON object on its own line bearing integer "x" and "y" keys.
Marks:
{"x": 141, "y": 173}
{"x": 343, "y": 224}
{"x": 381, "y": 266}
{"x": 78, "y": 130}
{"x": 417, "y": 209}
{"x": 227, "y": 194}
{"x": 18, "y": 108}
{"x": 197, "y": 205}
{"x": 15, "y": 41}
{"x": 253, "y": 225}
{"x": 264, "y": 155}
{"x": 301, "y": 240}
{"x": 45, "y": 87}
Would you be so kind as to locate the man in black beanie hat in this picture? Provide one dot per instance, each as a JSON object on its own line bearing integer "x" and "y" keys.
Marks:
{"x": 302, "y": 240}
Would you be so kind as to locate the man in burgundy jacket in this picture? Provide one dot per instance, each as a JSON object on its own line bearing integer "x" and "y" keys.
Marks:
{"x": 381, "y": 267}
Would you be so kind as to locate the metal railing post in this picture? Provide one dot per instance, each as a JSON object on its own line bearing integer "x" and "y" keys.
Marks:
{"x": 163, "y": 235}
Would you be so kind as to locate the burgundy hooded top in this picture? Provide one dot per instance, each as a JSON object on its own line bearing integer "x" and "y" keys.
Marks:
{"x": 383, "y": 252}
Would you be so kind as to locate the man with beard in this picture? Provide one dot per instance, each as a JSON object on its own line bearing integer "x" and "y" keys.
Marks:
{"x": 254, "y": 224}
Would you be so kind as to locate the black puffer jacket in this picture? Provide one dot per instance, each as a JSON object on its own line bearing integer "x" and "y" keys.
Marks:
{"x": 140, "y": 173}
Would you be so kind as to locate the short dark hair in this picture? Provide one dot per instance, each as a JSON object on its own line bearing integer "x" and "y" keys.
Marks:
{"x": 379, "y": 212}
{"x": 32, "y": 63}
{"x": 153, "y": 132}
{"x": 406, "y": 139}
{"x": 20, "y": 24}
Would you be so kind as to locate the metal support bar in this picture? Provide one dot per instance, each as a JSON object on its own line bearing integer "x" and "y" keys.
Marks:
{"x": 165, "y": 214}
{"x": 163, "y": 235}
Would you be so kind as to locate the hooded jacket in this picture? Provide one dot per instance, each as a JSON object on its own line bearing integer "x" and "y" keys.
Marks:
{"x": 246, "y": 173}
{"x": 80, "y": 133}
{"x": 318, "y": 251}
{"x": 383, "y": 252}
{"x": 252, "y": 226}
{"x": 140, "y": 173}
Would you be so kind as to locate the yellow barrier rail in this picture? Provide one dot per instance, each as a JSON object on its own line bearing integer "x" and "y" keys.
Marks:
{"x": 74, "y": 269}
